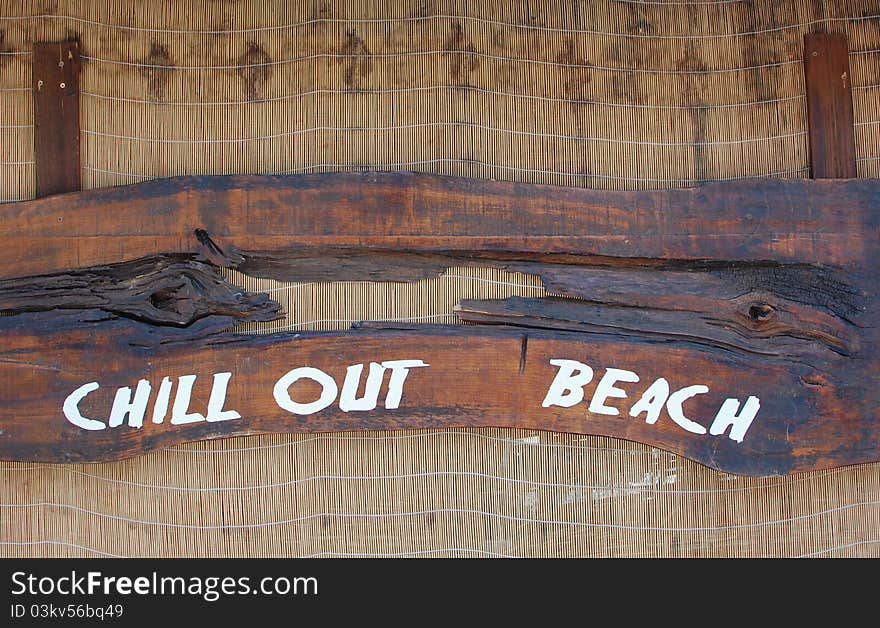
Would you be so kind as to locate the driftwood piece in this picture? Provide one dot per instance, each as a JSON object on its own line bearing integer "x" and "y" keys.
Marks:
{"x": 733, "y": 324}
{"x": 169, "y": 290}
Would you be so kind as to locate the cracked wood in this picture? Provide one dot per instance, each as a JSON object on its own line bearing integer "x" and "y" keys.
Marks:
{"x": 676, "y": 315}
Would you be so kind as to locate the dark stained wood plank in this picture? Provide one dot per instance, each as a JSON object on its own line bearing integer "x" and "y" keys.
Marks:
{"x": 807, "y": 417}
{"x": 56, "y": 117}
{"x": 829, "y": 106}
{"x": 828, "y": 222}
{"x": 762, "y": 295}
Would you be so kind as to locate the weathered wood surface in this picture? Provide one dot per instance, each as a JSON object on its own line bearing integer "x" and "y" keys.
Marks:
{"x": 761, "y": 294}
{"x": 315, "y": 215}
{"x": 56, "y": 117}
{"x": 828, "y": 84}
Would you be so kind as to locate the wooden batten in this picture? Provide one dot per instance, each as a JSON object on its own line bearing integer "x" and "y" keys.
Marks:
{"x": 829, "y": 106}
{"x": 56, "y": 117}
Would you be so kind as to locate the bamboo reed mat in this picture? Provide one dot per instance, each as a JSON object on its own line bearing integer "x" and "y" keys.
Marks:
{"x": 613, "y": 94}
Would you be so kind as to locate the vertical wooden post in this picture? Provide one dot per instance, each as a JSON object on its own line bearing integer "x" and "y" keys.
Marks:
{"x": 829, "y": 106}
{"x": 56, "y": 117}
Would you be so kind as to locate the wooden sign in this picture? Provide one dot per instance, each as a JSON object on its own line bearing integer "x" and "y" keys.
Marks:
{"x": 735, "y": 324}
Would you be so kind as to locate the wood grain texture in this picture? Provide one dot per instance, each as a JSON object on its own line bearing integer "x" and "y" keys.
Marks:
{"x": 763, "y": 290}
{"x": 56, "y": 117}
{"x": 827, "y": 222}
{"x": 829, "y": 106}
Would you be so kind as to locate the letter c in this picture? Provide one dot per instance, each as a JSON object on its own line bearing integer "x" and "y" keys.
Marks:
{"x": 71, "y": 408}
{"x": 676, "y": 413}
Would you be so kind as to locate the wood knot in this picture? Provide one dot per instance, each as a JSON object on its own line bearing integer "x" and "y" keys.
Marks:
{"x": 164, "y": 300}
{"x": 761, "y": 312}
